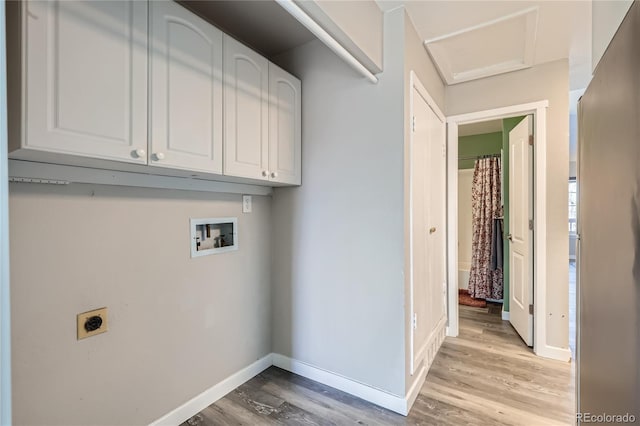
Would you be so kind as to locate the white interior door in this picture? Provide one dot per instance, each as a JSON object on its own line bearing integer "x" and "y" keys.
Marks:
{"x": 520, "y": 234}
{"x": 436, "y": 226}
{"x": 419, "y": 223}
{"x": 427, "y": 223}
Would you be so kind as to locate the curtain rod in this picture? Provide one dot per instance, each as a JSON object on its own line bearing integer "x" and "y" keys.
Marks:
{"x": 326, "y": 38}
{"x": 477, "y": 157}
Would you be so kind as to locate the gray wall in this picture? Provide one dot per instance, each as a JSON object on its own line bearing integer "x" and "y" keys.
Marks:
{"x": 338, "y": 299}
{"x": 177, "y": 325}
{"x": 339, "y": 281}
{"x": 547, "y": 81}
{"x": 609, "y": 226}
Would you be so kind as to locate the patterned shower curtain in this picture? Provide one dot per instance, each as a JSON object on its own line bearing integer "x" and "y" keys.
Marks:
{"x": 485, "y": 282}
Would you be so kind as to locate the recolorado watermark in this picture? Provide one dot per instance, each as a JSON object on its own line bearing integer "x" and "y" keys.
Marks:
{"x": 605, "y": 418}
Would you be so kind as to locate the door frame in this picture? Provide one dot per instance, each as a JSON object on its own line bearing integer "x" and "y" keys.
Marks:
{"x": 539, "y": 112}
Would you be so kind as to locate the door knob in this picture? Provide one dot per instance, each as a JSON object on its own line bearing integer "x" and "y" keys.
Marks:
{"x": 274, "y": 175}
{"x": 509, "y": 237}
{"x": 432, "y": 230}
{"x": 159, "y": 156}
{"x": 140, "y": 153}
{"x": 265, "y": 173}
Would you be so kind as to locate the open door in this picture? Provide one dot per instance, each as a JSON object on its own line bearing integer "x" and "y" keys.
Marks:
{"x": 521, "y": 229}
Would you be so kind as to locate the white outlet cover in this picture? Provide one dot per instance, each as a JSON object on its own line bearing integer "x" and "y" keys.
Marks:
{"x": 246, "y": 204}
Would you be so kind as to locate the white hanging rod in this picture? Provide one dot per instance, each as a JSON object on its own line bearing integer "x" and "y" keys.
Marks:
{"x": 326, "y": 38}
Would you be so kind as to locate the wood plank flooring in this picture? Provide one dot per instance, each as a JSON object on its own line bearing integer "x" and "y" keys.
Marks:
{"x": 486, "y": 376}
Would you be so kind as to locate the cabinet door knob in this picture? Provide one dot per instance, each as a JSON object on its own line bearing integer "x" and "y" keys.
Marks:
{"x": 432, "y": 230}
{"x": 159, "y": 156}
{"x": 274, "y": 175}
{"x": 265, "y": 173}
{"x": 140, "y": 153}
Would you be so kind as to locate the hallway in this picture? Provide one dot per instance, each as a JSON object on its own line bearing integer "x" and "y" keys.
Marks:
{"x": 486, "y": 376}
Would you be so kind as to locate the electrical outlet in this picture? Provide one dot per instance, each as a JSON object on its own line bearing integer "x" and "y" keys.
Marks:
{"x": 91, "y": 323}
{"x": 246, "y": 204}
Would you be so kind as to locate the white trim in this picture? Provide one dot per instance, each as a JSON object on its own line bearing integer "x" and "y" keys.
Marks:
{"x": 414, "y": 391}
{"x": 540, "y": 237}
{"x": 398, "y": 404}
{"x": 414, "y": 82}
{"x": 539, "y": 110}
{"x": 5, "y": 301}
{"x": 374, "y": 395}
{"x": 214, "y": 393}
{"x": 412, "y": 365}
{"x": 505, "y": 314}
{"x": 74, "y": 174}
{"x": 554, "y": 352}
{"x": 326, "y": 38}
{"x": 452, "y": 228}
{"x": 483, "y": 25}
{"x": 497, "y": 113}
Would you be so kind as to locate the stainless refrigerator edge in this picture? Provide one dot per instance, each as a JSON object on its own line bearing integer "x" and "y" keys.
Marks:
{"x": 609, "y": 231}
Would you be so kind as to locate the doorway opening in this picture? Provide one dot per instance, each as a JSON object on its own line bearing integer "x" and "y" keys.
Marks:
{"x": 494, "y": 167}
{"x": 538, "y": 268}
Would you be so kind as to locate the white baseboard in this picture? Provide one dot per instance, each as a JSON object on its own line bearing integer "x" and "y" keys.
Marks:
{"x": 214, "y": 393}
{"x": 337, "y": 381}
{"x": 412, "y": 395}
{"x": 554, "y": 352}
{"x": 398, "y": 404}
{"x": 433, "y": 346}
{"x": 505, "y": 314}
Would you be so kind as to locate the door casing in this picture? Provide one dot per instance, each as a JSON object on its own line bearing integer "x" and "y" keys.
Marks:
{"x": 539, "y": 111}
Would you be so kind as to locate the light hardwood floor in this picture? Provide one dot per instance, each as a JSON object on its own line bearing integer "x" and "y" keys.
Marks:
{"x": 486, "y": 376}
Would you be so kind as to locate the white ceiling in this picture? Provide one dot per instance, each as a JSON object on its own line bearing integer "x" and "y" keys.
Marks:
{"x": 474, "y": 39}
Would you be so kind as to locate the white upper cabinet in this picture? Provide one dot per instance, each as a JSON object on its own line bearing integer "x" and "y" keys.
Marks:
{"x": 285, "y": 132}
{"x": 246, "y": 122}
{"x": 186, "y": 90}
{"x": 84, "y": 81}
{"x": 262, "y": 136}
{"x": 148, "y": 83}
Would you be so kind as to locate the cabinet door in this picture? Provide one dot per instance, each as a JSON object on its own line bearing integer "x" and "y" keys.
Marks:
{"x": 86, "y": 78}
{"x": 186, "y": 90}
{"x": 285, "y": 133}
{"x": 246, "y": 98}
